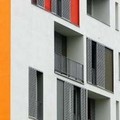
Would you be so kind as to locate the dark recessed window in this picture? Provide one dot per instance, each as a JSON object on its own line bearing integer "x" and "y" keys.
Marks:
{"x": 89, "y": 7}
{"x": 34, "y": 2}
{"x": 59, "y": 7}
{"x": 77, "y": 103}
{"x": 91, "y": 109}
{"x": 94, "y": 62}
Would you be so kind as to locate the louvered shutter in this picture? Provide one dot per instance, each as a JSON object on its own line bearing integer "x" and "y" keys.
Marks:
{"x": 89, "y": 60}
{"x": 32, "y": 93}
{"x": 66, "y": 9}
{"x": 68, "y": 101}
{"x": 83, "y": 94}
{"x": 77, "y": 106}
{"x": 40, "y": 3}
{"x": 100, "y": 67}
{"x": 58, "y": 52}
{"x": 60, "y": 100}
{"x": 92, "y": 109}
{"x": 54, "y": 6}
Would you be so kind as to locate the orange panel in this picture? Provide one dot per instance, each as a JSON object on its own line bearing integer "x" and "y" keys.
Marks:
{"x": 48, "y": 5}
{"x": 75, "y": 12}
{"x": 4, "y": 59}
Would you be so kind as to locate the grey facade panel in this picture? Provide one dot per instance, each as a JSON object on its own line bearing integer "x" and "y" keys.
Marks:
{"x": 66, "y": 9}
{"x": 83, "y": 104}
{"x": 60, "y": 100}
{"x": 54, "y": 6}
{"x": 40, "y": 3}
{"x": 68, "y": 101}
{"x": 32, "y": 93}
{"x": 100, "y": 67}
{"x": 89, "y": 60}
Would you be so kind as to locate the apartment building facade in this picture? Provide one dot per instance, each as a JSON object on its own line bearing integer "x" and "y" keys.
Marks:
{"x": 60, "y": 60}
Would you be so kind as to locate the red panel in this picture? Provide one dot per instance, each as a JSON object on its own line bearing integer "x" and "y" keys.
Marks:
{"x": 75, "y": 12}
{"x": 48, "y": 5}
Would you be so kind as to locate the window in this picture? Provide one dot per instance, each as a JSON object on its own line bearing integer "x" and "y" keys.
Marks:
{"x": 77, "y": 103}
{"x": 35, "y": 94}
{"x": 71, "y": 102}
{"x": 99, "y": 65}
{"x": 67, "y": 59}
{"x": 66, "y": 9}
{"x": 116, "y": 16}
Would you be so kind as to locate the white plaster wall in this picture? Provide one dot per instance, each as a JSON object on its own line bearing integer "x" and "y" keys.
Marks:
{"x": 32, "y": 44}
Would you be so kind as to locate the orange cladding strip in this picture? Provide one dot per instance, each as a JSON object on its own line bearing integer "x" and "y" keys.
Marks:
{"x": 4, "y": 59}
{"x": 48, "y": 5}
{"x": 75, "y": 12}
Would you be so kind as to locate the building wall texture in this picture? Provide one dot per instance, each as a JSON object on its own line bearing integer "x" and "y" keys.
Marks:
{"x": 27, "y": 40}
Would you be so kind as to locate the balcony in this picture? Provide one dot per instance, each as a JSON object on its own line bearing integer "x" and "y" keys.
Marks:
{"x": 68, "y": 67}
{"x": 98, "y": 106}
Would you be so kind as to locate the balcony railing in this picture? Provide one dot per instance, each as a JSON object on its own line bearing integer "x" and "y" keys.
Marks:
{"x": 68, "y": 67}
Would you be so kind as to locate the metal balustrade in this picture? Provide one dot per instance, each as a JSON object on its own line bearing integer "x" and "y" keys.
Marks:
{"x": 68, "y": 67}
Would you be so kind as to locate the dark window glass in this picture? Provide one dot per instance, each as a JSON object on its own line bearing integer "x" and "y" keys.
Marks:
{"x": 91, "y": 109}
{"x": 40, "y": 95}
{"x": 60, "y": 44}
{"x": 59, "y": 7}
{"x": 35, "y": 94}
{"x": 89, "y": 7}
{"x": 94, "y": 62}
{"x": 34, "y": 2}
{"x": 76, "y": 103}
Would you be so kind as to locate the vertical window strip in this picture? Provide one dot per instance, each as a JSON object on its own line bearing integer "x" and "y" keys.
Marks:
{"x": 32, "y": 93}
{"x": 89, "y": 60}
